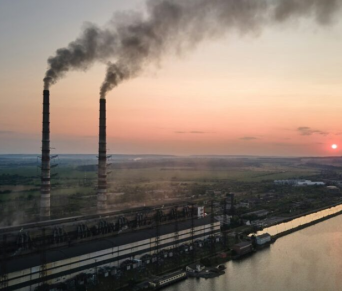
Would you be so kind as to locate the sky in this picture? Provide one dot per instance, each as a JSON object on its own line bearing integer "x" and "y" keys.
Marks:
{"x": 272, "y": 93}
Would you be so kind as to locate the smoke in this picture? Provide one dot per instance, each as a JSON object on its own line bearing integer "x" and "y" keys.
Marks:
{"x": 115, "y": 74}
{"x": 94, "y": 44}
{"x": 132, "y": 41}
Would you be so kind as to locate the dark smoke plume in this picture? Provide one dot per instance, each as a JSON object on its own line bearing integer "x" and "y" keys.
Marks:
{"x": 134, "y": 40}
{"x": 94, "y": 44}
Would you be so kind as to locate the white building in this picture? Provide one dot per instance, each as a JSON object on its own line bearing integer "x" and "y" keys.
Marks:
{"x": 200, "y": 212}
{"x": 295, "y": 182}
{"x": 309, "y": 183}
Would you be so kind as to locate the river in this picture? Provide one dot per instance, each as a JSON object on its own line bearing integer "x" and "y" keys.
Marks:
{"x": 307, "y": 260}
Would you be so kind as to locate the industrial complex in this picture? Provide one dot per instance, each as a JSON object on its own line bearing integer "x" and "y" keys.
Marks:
{"x": 147, "y": 247}
{"x": 50, "y": 252}
{"x": 54, "y": 255}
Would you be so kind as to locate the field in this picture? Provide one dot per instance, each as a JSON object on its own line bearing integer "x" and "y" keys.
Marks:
{"x": 201, "y": 175}
{"x": 145, "y": 179}
{"x": 24, "y": 181}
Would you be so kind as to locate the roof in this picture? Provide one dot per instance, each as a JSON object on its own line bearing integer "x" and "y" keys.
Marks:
{"x": 32, "y": 260}
{"x": 257, "y": 212}
{"x": 243, "y": 244}
{"x": 264, "y": 235}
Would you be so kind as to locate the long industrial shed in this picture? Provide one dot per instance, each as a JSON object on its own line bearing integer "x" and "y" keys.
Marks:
{"x": 25, "y": 272}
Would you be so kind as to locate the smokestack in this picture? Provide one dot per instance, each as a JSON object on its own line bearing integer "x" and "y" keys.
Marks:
{"x": 45, "y": 167}
{"x": 102, "y": 165}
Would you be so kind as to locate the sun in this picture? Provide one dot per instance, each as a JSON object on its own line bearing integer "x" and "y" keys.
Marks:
{"x": 334, "y": 146}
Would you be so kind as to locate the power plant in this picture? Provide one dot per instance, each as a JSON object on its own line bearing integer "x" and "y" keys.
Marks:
{"x": 122, "y": 248}
{"x": 51, "y": 252}
{"x": 71, "y": 249}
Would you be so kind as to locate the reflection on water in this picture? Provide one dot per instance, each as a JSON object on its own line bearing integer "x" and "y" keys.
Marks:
{"x": 309, "y": 259}
{"x": 279, "y": 228}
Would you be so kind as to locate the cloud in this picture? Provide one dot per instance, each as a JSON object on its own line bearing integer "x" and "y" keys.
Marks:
{"x": 282, "y": 144}
{"x": 197, "y": 132}
{"x": 248, "y": 138}
{"x": 304, "y": 130}
{"x": 193, "y": 132}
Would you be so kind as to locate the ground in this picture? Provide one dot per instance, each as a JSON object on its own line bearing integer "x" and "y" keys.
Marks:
{"x": 161, "y": 179}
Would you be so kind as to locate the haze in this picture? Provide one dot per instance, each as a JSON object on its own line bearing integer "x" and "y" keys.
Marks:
{"x": 274, "y": 93}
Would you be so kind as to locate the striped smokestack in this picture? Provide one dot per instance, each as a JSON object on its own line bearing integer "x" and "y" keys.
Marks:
{"x": 102, "y": 166}
{"x": 45, "y": 167}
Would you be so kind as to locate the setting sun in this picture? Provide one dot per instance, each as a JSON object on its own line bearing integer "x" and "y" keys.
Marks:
{"x": 334, "y": 146}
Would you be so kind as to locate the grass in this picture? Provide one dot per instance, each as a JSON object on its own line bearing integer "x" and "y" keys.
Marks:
{"x": 26, "y": 171}
{"x": 70, "y": 179}
{"x": 156, "y": 174}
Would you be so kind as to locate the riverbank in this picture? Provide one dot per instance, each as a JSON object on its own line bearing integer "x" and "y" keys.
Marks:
{"x": 222, "y": 254}
{"x": 308, "y": 259}
{"x": 288, "y": 219}
{"x": 294, "y": 229}
{"x": 297, "y": 228}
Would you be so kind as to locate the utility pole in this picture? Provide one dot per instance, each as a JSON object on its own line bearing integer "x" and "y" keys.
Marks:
{"x": 225, "y": 222}
{"x": 42, "y": 273}
{"x": 3, "y": 273}
{"x": 192, "y": 231}
{"x": 157, "y": 240}
{"x": 176, "y": 238}
{"x": 212, "y": 221}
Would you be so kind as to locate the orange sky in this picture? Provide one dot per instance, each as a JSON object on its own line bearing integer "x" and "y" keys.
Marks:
{"x": 278, "y": 93}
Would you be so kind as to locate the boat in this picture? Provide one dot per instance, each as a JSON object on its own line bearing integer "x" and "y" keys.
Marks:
{"x": 207, "y": 273}
{"x": 210, "y": 273}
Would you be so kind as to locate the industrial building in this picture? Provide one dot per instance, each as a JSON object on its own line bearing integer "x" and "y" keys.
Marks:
{"x": 122, "y": 251}
{"x": 60, "y": 250}
{"x": 241, "y": 249}
{"x": 263, "y": 239}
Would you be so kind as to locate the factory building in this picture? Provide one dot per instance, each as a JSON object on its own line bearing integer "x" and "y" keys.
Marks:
{"x": 126, "y": 250}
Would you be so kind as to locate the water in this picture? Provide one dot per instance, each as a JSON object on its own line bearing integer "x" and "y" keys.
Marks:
{"x": 279, "y": 228}
{"x": 307, "y": 260}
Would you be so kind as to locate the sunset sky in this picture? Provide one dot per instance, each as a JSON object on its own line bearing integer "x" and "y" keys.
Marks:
{"x": 278, "y": 92}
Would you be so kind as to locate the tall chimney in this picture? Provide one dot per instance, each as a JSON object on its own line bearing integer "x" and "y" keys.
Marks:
{"x": 102, "y": 165}
{"x": 45, "y": 167}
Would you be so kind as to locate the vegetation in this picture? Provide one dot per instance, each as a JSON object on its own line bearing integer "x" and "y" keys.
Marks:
{"x": 145, "y": 180}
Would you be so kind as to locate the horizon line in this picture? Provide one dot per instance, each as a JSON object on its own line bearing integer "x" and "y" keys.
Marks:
{"x": 175, "y": 155}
